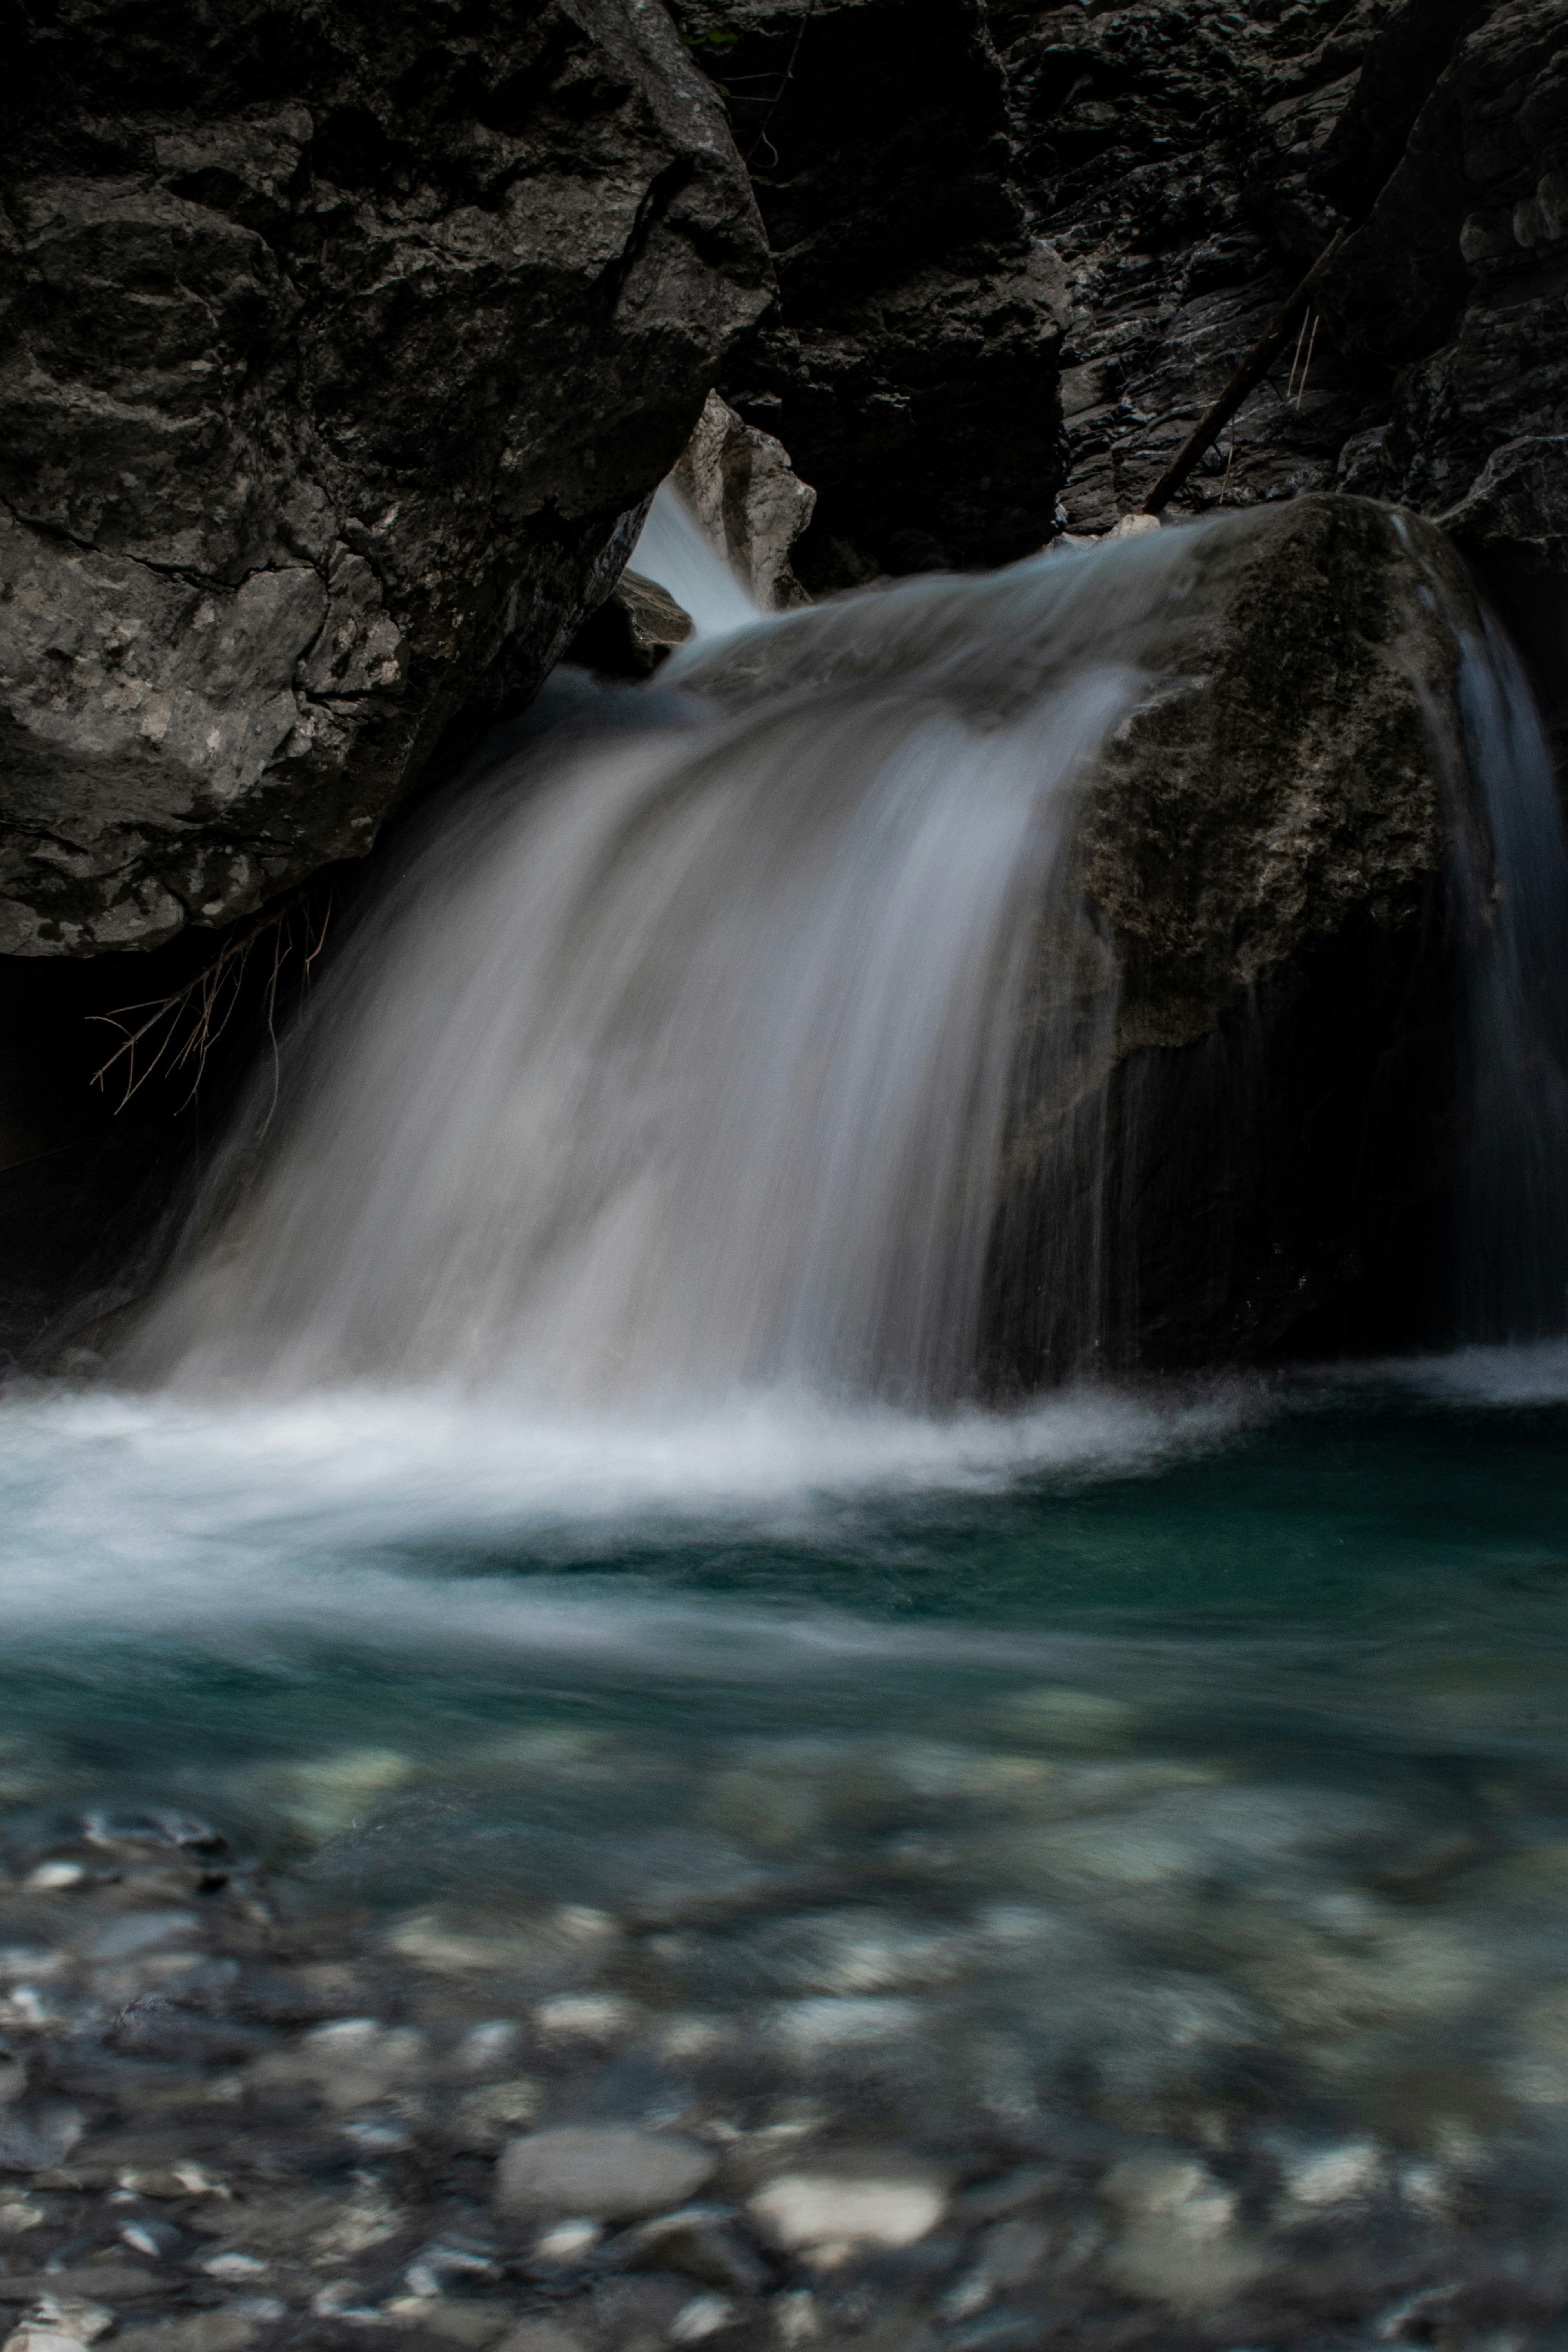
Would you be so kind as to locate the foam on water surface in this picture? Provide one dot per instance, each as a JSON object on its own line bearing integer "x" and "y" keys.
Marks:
{"x": 137, "y": 1512}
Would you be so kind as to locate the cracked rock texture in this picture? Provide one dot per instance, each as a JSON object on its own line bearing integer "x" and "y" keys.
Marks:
{"x": 748, "y": 499}
{"x": 1021, "y": 248}
{"x": 341, "y": 351}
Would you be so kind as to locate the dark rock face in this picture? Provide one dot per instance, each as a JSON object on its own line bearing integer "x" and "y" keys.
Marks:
{"x": 911, "y": 368}
{"x": 342, "y": 349}
{"x": 1252, "y": 1158}
{"x": 1460, "y": 274}
{"x": 1156, "y": 143}
{"x": 1283, "y": 778}
{"x": 339, "y": 356}
{"x": 1189, "y": 168}
{"x": 1124, "y": 195}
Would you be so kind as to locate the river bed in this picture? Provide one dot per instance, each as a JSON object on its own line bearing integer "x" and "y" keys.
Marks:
{"x": 1093, "y": 1875}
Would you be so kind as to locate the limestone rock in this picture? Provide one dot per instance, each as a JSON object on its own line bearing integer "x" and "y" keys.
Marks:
{"x": 341, "y": 354}
{"x": 850, "y": 2202}
{"x": 1283, "y": 776}
{"x": 748, "y": 499}
{"x": 608, "y": 2172}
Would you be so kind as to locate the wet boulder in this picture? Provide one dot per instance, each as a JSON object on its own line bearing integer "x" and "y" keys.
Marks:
{"x": 1283, "y": 776}
{"x": 638, "y": 627}
{"x": 1238, "y": 1103}
{"x": 342, "y": 351}
{"x": 750, "y": 502}
{"x": 610, "y": 2172}
{"x": 1233, "y": 1104}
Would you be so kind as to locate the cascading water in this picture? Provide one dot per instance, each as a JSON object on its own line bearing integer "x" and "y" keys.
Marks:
{"x": 682, "y": 1064}
{"x": 1515, "y": 1208}
{"x": 687, "y": 1067}
{"x": 672, "y": 550}
{"x": 775, "y": 1782}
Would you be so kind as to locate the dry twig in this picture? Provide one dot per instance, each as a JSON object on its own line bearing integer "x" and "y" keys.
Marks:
{"x": 1307, "y": 366}
{"x": 1296, "y": 356}
{"x": 1255, "y": 364}
{"x": 194, "y": 1018}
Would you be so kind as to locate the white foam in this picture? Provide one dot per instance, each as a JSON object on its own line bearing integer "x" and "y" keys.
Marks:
{"x": 137, "y": 1514}
{"x": 1532, "y": 1373}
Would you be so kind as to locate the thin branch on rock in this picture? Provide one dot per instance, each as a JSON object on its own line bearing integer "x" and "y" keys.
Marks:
{"x": 1295, "y": 357}
{"x": 762, "y": 138}
{"x": 193, "y": 1018}
{"x": 1253, "y": 368}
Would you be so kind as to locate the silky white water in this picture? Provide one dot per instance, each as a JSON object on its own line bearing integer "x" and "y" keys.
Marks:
{"x": 1515, "y": 1207}
{"x": 672, "y": 550}
{"x": 684, "y": 1068}
{"x": 680, "y": 1064}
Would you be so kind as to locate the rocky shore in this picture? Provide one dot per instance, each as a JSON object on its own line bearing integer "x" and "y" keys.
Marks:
{"x": 901, "y": 2044}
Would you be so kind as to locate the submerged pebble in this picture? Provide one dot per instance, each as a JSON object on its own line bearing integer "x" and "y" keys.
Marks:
{"x": 990, "y": 2051}
{"x": 609, "y": 2172}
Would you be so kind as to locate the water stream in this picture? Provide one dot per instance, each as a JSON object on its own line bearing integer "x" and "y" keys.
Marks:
{"x": 554, "y": 1526}
{"x": 684, "y": 1066}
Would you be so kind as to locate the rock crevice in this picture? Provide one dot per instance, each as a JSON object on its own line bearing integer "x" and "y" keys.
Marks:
{"x": 336, "y": 352}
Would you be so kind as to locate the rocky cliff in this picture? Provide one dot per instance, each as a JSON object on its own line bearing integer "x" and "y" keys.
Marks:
{"x": 342, "y": 348}
{"x": 339, "y": 354}
{"x": 1063, "y": 226}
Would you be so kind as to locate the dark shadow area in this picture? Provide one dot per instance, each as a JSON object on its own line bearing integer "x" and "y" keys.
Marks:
{"x": 96, "y": 1180}
{"x": 1281, "y": 1189}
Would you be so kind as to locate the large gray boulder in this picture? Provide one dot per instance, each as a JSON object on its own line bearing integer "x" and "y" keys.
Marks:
{"x": 342, "y": 349}
{"x": 1284, "y": 778}
{"x": 1234, "y": 1114}
{"x": 1239, "y": 1120}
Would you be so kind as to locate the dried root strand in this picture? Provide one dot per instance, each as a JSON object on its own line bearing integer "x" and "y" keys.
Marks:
{"x": 184, "y": 1027}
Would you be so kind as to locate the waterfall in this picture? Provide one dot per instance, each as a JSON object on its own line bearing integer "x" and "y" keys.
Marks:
{"x": 683, "y": 1059}
{"x": 685, "y": 1063}
{"x": 1514, "y": 1249}
{"x": 673, "y": 549}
